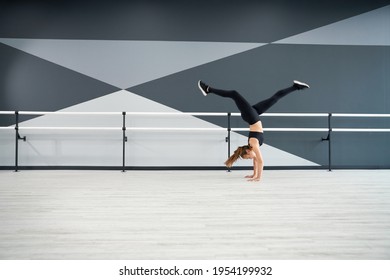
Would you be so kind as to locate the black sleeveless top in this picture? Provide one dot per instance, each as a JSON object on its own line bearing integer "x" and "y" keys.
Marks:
{"x": 258, "y": 135}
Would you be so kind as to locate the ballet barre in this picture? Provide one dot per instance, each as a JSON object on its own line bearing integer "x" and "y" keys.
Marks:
{"x": 40, "y": 113}
{"x": 361, "y": 115}
{"x": 279, "y": 129}
{"x": 67, "y": 128}
{"x": 329, "y": 129}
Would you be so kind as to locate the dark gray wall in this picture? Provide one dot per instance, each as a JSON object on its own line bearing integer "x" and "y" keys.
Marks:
{"x": 174, "y": 20}
{"x": 344, "y": 78}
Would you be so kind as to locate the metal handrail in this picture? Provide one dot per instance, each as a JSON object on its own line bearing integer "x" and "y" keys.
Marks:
{"x": 329, "y": 129}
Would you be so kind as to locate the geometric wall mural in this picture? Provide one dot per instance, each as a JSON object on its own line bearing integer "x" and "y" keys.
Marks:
{"x": 127, "y": 63}
{"x": 344, "y": 55}
{"x": 368, "y": 29}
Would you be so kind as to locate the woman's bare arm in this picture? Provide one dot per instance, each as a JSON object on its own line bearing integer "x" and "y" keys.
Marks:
{"x": 258, "y": 163}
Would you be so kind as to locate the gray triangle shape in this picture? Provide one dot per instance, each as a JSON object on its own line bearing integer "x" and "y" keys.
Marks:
{"x": 368, "y": 29}
{"x": 126, "y": 101}
{"x": 128, "y": 63}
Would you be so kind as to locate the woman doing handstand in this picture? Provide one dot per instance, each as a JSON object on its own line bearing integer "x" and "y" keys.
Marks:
{"x": 250, "y": 114}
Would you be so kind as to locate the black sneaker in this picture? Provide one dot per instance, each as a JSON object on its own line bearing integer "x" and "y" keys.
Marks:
{"x": 300, "y": 85}
{"x": 203, "y": 87}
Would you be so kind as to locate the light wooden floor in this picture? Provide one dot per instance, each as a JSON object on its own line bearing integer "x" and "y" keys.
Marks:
{"x": 194, "y": 215}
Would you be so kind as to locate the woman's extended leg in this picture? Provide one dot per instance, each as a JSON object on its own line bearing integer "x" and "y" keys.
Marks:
{"x": 264, "y": 105}
{"x": 247, "y": 111}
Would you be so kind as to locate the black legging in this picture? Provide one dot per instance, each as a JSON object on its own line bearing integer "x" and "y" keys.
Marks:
{"x": 249, "y": 113}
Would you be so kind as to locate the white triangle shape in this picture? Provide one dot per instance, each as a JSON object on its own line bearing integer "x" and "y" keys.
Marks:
{"x": 127, "y": 63}
{"x": 368, "y": 29}
{"x": 149, "y": 148}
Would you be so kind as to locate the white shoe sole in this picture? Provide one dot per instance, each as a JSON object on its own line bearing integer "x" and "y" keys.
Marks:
{"x": 201, "y": 89}
{"x": 301, "y": 84}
